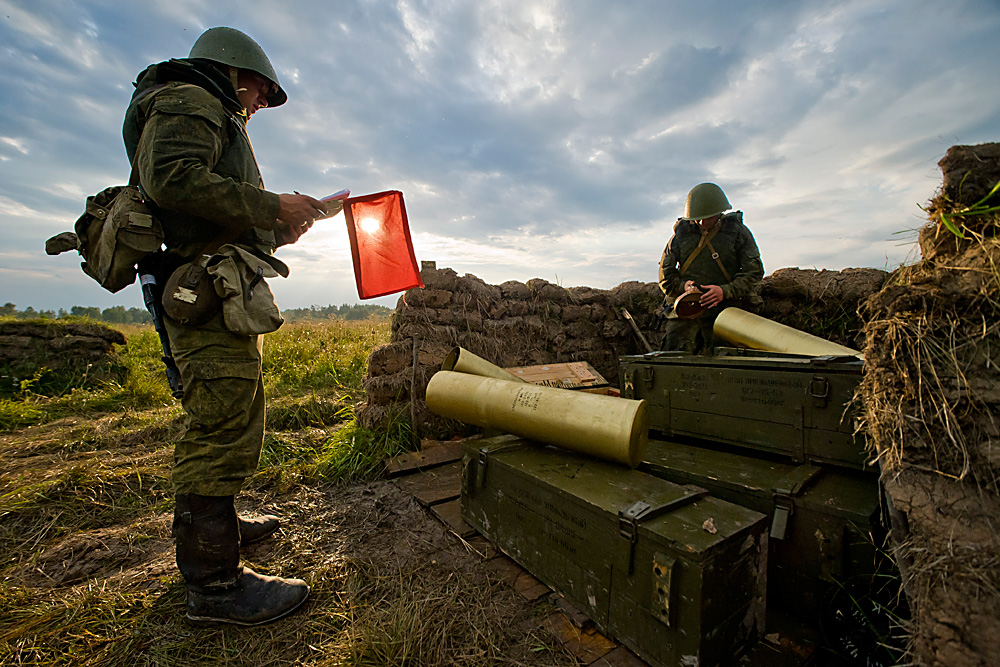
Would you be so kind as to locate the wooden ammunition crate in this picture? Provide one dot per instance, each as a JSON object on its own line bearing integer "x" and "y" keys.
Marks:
{"x": 824, "y": 521}
{"x": 797, "y": 406}
{"x": 673, "y": 573}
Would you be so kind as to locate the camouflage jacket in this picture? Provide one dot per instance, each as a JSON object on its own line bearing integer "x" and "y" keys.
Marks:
{"x": 737, "y": 251}
{"x": 186, "y": 135}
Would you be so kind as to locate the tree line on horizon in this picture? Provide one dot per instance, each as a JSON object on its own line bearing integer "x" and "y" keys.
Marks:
{"x": 123, "y": 315}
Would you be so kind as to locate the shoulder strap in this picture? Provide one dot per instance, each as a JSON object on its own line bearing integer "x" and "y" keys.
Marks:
{"x": 718, "y": 261}
{"x": 133, "y": 178}
{"x": 706, "y": 239}
{"x": 226, "y": 235}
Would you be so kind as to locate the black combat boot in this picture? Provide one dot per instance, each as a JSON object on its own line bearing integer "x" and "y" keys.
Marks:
{"x": 219, "y": 589}
{"x": 259, "y": 528}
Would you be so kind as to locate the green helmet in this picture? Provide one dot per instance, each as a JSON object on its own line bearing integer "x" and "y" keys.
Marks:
{"x": 229, "y": 46}
{"x": 704, "y": 201}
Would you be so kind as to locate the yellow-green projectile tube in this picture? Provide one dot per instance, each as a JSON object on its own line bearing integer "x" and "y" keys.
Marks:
{"x": 759, "y": 333}
{"x": 609, "y": 428}
{"x": 463, "y": 361}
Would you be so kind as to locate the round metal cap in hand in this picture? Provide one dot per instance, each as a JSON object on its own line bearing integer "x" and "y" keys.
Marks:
{"x": 688, "y": 307}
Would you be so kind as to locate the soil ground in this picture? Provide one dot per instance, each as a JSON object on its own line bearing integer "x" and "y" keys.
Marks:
{"x": 390, "y": 585}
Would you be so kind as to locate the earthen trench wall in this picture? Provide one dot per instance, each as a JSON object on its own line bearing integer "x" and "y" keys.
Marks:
{"x": 537, "y": 322}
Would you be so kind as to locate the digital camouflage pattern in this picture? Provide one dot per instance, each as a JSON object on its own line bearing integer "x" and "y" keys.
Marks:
{"x": 198, "y": 121}
{"x": 224, "y": 408}
{"x": 737, "y": 251}
{"x": 187, "y": 132}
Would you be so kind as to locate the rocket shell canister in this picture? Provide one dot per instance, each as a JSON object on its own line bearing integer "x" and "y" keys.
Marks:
{"x": 606, "y": 427}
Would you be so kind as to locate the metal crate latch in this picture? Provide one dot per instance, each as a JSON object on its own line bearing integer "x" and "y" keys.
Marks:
{"x": 783, "y": 507}
{"x": 648, "y": 376}
{"x": 819, "y": 389}
{"x": 639, "y": 511}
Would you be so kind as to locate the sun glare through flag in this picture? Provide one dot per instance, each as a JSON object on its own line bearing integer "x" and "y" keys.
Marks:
{"x": 380, "y": 244}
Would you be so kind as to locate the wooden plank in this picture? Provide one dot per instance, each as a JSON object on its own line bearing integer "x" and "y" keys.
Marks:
{"x": 482, "y": 547}
{"x": 576, "y": 617}
{"x": 424, "y": 459}
{"x": 586, "y": 645}
{"x": 620, "y": 657}
{"x": 603, "y": 391}
{"x": 788, "y": 643}
{"x": 450, "y": 514}
{"x": 434, "y": 486}
{"x": 505, "y": 569}
{"x": 584, "y": 372}
{"x": 530, "y": 588}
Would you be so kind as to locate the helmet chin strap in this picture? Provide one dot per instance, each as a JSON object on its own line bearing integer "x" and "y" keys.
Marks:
{"x": 234, "y": 78}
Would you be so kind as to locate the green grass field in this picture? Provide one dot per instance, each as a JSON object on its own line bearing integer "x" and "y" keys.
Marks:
{"x": 86, "y": 560}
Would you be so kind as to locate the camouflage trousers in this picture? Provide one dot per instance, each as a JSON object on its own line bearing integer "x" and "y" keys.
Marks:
{"x": 692, "y": 336}
{"x": 223, "y": 405}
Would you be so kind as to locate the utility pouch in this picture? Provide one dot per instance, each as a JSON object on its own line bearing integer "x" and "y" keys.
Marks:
{"x": 189, "y": 295}
{"x": 248, "y": 306}
{"x": 115, "y": 231}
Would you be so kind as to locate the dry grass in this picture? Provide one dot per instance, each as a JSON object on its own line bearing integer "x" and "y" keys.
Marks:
{"x": 930, "y": 387}
{"x": 86, "y": 561}
{"x": 932, "y": 401}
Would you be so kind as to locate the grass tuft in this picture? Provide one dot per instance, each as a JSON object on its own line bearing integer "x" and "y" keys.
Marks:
{"x": 87, "y": 576}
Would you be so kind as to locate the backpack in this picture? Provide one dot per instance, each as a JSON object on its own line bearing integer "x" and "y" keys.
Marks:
{"x": 114, "y": 233}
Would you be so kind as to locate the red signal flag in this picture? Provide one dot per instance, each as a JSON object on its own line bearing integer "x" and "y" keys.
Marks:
{"x": 380, "y": 244}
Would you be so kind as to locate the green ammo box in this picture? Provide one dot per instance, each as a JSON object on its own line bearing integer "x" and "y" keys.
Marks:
{"x": 674, "y": 574}
{"x": 796, "y": 406}
{"x": 824, "y": 521}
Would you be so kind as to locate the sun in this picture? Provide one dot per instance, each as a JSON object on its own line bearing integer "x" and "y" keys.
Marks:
{"x": 370, "y": 226}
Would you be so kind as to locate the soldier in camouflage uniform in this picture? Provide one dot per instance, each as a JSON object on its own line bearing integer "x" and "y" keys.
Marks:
{"x": 712, "y": 252}
{"x": 185, "y": 132}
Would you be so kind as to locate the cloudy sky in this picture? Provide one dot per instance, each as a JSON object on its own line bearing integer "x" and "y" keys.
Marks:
{"x": 531, "y": 138}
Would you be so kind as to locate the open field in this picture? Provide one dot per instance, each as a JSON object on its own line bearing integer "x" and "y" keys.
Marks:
{"x": 86, "y": 560}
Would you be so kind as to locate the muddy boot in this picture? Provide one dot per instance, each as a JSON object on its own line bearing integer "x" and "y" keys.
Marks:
{"x": 258, "y": 528}
{"x": 208, "y": 556}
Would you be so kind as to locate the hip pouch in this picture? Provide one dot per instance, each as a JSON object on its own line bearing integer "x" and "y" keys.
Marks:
{"x": 248, "y": 306}
{"x": 231, "y": 280}
{"x": 189, "y": 294}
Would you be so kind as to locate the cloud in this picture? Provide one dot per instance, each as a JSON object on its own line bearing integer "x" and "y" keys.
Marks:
{"x": 10, "y": 207}
{"x": 529, "y": 137}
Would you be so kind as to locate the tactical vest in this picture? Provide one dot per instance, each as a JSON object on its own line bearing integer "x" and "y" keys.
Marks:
{"x": 237, "y": 162}
{"x": 185, "y": 235}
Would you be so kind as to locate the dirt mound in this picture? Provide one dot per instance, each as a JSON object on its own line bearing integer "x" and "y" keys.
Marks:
{"x": 52, "y": 353}
{"x": 823, "y": 303}
{"x": 525, "y": 324}
{"x": 932, "y": 396}
{"x": 55, "y": 344}
{"x": 100, "y": 553}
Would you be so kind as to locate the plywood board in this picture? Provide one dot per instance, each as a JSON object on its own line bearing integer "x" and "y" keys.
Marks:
{"x": 571, "y": 375}
{"x": 450, "y": 513}
{"x": 586, "y": 645}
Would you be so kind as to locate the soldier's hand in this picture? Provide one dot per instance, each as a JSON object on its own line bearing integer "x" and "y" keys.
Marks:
{"x": 296, "y": 216}
{"x": 711, "y": 296}
{"x": 689, "y": 286}
{"x": 298, "y": 210}
{"x": 287, "y": 234}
